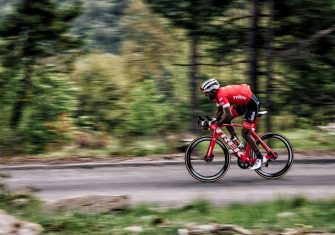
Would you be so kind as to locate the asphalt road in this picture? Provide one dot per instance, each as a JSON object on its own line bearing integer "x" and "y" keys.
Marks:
{"x": 171, "y": 185}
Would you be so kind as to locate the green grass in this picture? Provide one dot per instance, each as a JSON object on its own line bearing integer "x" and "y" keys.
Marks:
{"x": 301, "y": 139}
{"x": 309, "y": 139}
{"x": 132, "y": 148}
{"x": 312, "y": 215}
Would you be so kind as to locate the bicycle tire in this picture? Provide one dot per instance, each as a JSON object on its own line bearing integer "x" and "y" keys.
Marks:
{"x": 289, "y": 161}
{"x": 191, "y": 169}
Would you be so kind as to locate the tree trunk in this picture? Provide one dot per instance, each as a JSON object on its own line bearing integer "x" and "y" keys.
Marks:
{"x": 21, "y": 100}
{"x": 253, "y": 47}
{"x": 269, "y": 65}
{"x": 194, "y": 70}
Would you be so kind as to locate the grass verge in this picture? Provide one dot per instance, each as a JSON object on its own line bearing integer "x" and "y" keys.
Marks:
{"x": 269, "y": 216}
{"x": 301, "y": 139}
{"x": 310, "y": 139}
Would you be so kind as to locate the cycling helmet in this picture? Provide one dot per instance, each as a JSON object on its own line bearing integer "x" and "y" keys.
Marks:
{"x": 209, "y": 85}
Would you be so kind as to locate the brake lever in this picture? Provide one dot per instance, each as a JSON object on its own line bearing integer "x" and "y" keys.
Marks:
{"x": 200, "y": 119}
{"x": 211, "y": 120}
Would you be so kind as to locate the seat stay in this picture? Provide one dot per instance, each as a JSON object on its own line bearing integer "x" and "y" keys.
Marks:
{"x": 261, "y": 142}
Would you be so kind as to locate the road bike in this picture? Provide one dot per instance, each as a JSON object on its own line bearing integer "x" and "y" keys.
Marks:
{"x": 207, "y": 158}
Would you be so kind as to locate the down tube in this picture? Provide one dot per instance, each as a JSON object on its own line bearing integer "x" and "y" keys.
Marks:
{"x": 212, "y": 145}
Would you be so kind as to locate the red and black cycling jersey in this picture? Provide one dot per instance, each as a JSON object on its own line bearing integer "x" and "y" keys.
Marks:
{"x": 233, "y": 95}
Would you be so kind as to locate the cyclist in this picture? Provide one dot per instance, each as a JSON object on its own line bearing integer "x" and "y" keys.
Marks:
{"x": 233, "y": 101}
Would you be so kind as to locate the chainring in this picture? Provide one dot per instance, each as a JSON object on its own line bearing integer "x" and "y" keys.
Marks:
{"x": 243, "y": 165}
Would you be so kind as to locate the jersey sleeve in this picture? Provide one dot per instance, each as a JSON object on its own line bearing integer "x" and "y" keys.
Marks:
{"x": 223, "y": 101}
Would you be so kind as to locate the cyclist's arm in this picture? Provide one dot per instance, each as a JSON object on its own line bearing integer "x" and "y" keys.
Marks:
{"x": 219, "y": 112}
{"x": 227, "y": 115}
{"x": 223, "y": 110}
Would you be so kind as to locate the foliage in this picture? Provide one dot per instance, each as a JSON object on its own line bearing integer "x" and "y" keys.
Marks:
{"x": 110, "y": 103}
{"x": 192, "y": 15}
{"x": 35, "y": 30}
{"x": 149, "y": 45}
{"x": 125, "y": 81}
{"x": 228, "y": 34}
{"x": 318, "y": 105}
{"x": 149, "y": 50}
{"x": 305, "y": 38}
{"x": 149, "y": 113}
{"x": 35, "y": 46}
{"x": 102, "y": 91}
{"x": 100, "y": 24}
{"x": 47, "y": 120}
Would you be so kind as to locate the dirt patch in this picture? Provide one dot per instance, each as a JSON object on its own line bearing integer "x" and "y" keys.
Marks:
{"x": 28, "y": 160}
{"x": 55, "y": 161}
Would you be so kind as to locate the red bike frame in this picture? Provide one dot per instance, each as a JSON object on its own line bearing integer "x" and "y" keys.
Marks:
{"x": 244, "y": 157}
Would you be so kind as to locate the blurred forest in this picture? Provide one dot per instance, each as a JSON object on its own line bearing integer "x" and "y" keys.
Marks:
{"x": 129, "y": 69}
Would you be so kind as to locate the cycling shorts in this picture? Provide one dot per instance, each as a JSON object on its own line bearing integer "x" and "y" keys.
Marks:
{"x": 250, "y": 110}
{"x": 251, "y": 113}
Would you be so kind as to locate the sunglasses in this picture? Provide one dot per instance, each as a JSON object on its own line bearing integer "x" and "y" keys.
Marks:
{"x": 208, "y": 93}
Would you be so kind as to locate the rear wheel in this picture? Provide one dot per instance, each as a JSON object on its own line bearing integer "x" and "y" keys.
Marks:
{"x": 283, "y": 160}
{"x": 210, "y": 170}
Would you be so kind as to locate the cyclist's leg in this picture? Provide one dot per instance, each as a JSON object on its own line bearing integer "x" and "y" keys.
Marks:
{"x": 250, "y": 118}
{"x": 231, "y": 129}
{"x": 247, "y": 136}
{"x": 236, "y": 111}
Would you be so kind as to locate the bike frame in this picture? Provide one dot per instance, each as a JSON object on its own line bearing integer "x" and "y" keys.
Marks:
{"x": 244, "y": 157}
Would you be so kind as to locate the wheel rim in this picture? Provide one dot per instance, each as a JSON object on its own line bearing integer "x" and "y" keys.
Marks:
{"x": 207, "y": 171}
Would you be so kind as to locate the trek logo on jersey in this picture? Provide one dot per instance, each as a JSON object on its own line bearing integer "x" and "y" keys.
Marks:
{"x": 252, "y": 116}
{"x": 239, "y": 97}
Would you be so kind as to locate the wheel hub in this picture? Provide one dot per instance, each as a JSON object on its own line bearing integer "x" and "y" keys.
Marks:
{"x": 210, "y": 159}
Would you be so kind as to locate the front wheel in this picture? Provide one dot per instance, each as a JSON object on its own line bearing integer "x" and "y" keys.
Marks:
{"x": 283, "y": 160}
{"x": 199, "y": 168}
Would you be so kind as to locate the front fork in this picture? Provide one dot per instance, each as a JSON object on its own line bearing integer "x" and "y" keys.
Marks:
{"x": 209, "y": 156}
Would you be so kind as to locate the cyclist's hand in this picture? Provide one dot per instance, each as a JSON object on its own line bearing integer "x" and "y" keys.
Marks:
{"x": 213, "y": 120}
{"x": 207, "y": 122}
